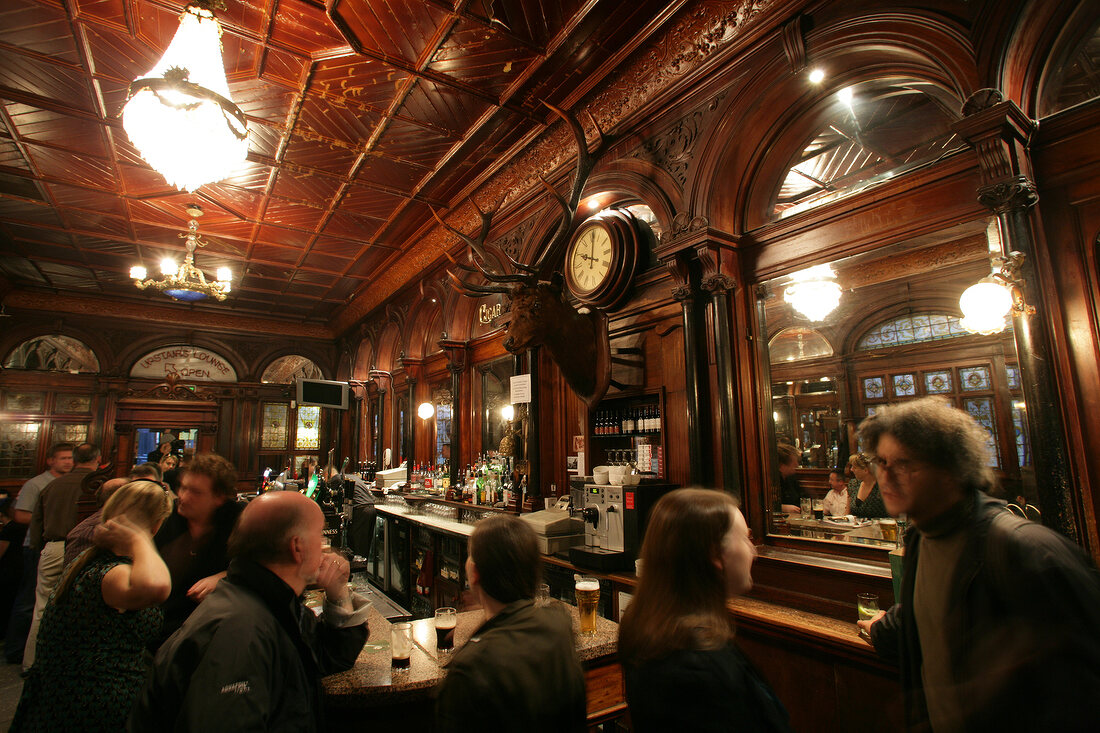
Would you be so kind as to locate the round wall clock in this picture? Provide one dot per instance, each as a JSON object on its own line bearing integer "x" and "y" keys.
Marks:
{"x": 601, "y": 259}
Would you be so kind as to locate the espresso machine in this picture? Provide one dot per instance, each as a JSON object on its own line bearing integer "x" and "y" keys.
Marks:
{"x": 615, "y": 519}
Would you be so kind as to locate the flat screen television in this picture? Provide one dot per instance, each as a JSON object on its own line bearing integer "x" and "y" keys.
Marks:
{"x": 323, "y": 393}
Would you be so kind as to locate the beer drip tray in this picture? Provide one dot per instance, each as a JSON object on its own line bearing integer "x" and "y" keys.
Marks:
{"x": 596, "y": 559}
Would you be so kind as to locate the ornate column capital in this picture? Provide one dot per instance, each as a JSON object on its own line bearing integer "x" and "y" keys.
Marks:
{"x": 999, "y": 132}
{"x": 719, "y": 283}
{"x": 679, "y": 267}
{"x": 721, "y": 266}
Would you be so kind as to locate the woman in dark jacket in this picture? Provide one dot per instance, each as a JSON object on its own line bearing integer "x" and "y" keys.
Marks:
{"x": 682, "y": 668}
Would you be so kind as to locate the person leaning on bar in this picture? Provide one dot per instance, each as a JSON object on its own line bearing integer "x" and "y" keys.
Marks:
{"x": 682, "y": 670}
{"x": 519, "y": 671}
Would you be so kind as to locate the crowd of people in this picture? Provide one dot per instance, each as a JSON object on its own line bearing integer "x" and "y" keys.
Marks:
{"x": 997, "y": 626}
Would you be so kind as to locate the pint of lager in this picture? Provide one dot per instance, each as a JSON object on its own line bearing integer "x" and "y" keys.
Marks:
{"x": 588, "y": 598}
{"x": 445, "y": 621}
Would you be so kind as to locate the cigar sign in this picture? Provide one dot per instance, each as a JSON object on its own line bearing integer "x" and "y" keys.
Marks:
{"x": 187, "y": 362}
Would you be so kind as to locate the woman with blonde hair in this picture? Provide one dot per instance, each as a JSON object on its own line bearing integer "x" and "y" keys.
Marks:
{"x": 682, "y": 668}
{"x": 863, "y": 489}
{"x": 90, "y": 660}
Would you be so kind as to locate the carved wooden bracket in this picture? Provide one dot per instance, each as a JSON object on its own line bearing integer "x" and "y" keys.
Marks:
{"x": 794, "y": 45}
{"x": 172, "y": 388}
{"x": 456, "y": 354}
{"x": 679, "y": 268}
{"x": 718, "y": 257}
{"x": 999, "y": 132}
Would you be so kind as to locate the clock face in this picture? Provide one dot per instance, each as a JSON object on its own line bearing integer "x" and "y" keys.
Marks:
{"x": 590, "y": 259}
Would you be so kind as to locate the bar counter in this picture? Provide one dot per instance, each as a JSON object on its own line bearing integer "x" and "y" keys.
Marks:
{"x": 373, "y": 691}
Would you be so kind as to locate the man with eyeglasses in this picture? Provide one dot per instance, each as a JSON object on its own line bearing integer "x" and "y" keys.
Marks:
{"x": 998, "y": 623}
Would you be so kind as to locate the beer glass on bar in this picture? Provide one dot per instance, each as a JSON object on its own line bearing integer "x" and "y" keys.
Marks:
{"x": 401, "y": 643}
{"x": 867, "y": 606}
{"x": 446, "y": 619}
{"x": 588, "y": 599}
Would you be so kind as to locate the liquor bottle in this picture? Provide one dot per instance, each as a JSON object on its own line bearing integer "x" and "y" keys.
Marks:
{"x": 657, "y": 418}
{"x": 628, "y": 420}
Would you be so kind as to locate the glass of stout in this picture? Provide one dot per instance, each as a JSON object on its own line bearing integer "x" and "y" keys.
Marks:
{"x": 446, "y": 619}
{"x": 401, "y": 643}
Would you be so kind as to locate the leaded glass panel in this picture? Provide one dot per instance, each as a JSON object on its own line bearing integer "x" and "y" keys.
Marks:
{"x": 276, "y": 427}
{"x": 912, "y": 330}
{"x": 70, "y": 432}
{"x": 904, "y": 385}
{"x": 1019, "y": 425}
{"x": 73, "y": 404}
{"x": 24, "y": 401}
{"x": 874, "y": 388}
{"x": 1012, "y": 372}
{"x": 308, "y": 435}
{"x": 937, "y": 382}
{"x": 981, "y": 409}
{"x": 975, "y": 379}
{"x": 18, "y": 448}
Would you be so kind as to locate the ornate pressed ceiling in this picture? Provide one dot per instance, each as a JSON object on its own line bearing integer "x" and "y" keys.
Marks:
{"x": 362, "y": 114}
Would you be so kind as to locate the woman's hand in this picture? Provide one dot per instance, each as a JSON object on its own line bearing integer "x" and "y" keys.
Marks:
{"x": 204, "y": 587}
{"x": 119, "y": 535}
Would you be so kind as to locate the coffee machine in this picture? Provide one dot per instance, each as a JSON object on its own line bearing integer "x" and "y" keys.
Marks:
{"x": 615, "y": 519}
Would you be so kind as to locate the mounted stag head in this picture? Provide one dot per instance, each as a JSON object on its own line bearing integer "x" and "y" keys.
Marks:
{"x": 538, "y": 313}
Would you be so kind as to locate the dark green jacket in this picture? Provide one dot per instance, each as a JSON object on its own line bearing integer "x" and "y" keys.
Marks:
{"x": 518, "y": 672}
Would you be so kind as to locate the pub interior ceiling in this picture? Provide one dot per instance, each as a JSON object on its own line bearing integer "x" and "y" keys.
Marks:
{"x": 363, "y": 116}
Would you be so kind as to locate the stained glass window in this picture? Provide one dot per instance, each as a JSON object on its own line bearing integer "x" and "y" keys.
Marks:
{"x": 18, "y": 448}
{"x": 53, "y": 353}
{"x": 286, "y": 369}
{"x": 904, "y": 385}
{"x": 912, "y": 330}
{"x": 308, "y": 435}
{"x": 1012, "y": 373}
{"x": 975, "y": 379}
{"x": 276, "y": 426}
{"x": 937, "y": 382}
{"x": 981, "y": 409}
{"x": 1019, "y": 424}
{"x": 73, "y": 404}
{"x": 67, "y": 432}
{"x": 24, "y": 401}
{"x": 874, "y": 388}
{"x": 871, "y": 410}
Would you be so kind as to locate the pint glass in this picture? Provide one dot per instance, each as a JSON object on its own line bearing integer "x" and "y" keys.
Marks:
{"x": 446, "y": 619}
{"x": 889, "y": 529}
{"x": 588, "y": 598}
{"x": 401, "y": 643}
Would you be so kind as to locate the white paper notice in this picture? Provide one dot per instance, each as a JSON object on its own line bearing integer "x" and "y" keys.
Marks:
{"x": 521, "y": 388}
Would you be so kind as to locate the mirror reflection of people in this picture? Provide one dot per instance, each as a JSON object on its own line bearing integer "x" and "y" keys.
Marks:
{"x": 997, "y": 627}
{"x": 682, "y": 668}
{"x": 790, "y": 488}
{"x": 164, "y": 448}
{"x": 836, "y": 501}
{"x": 867, "y": 501}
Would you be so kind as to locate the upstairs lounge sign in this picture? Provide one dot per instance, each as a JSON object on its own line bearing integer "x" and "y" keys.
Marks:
{"x": 190, "y": 363}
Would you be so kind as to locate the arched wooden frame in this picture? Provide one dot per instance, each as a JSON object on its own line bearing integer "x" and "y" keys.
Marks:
{"x": 142, "y": 347}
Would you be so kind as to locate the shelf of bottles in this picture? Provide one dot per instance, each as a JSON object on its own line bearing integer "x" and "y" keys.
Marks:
{"x": 629, "y": 429}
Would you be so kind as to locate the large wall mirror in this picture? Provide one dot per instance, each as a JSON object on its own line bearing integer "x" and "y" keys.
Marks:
{"x": 402, "y": 426}
{"x": 888, "y": 330}
{"x": 495, "y": 394}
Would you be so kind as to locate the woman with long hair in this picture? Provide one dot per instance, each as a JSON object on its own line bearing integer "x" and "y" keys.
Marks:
{"x": 682, "y": 668}
{"x": 90, "y": 661}
{"x": 863, "y": 489}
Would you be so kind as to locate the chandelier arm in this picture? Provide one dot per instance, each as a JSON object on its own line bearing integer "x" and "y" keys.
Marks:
{"x": 156, "y": 84}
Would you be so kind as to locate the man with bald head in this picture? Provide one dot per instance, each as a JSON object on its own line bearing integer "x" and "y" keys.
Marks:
{"x": 251, "y": 657}
{"x": 79, "y": 538}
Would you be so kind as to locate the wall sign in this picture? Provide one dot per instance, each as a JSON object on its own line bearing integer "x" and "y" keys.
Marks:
{"x": 486, "y": 313}
{"x": 521, "y": 389}
{"x": 187, "y": 362}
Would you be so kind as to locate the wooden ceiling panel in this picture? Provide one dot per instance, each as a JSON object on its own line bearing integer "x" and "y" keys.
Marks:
{"x": 440, "y": 107}
{"x": 238, "y": 202}
{"x": 58, "y": 130}
{"x": 143, "y": 182}
{"x": 370, "y": 202}
{"x": 242, "y": 58}
{"x": 534, "y": 20}
{"x": 304, "y": 26}
{"x": 407, "y": 140}
{"x": 252, "y": 176}
{"x": 37, "y": 234}
{"x": 313, "y": 279}
{"x": 87, "y": 198}
{"x": 63, "y": 166}
{"x": 283, "y": 237}
{"x": 393, "y": 175}
{"x": 277, "y": 255}
{"x": 42, "y": 29}
{"x": 307, "y": 186}
{"x": 112, "y": 12}
{"x": 482, "y": 57}
{"x": 351, "y": 227}
{"x": 249, "y": 16}
{"x": 401, "y": 29}
{"x": 47, "y": 80}
{"x": 262, "y": 100}
{"x": 289, "y": 214}
{"x": 21, "y": 269}
{"x": 25, "y": 212}
{"x": 118, "y": 55}
{"x": 337, "y": 246}
{"x": 319, "y": 262}
{"x": 96, "y": 245}
{"x": 332, "y": 120}
{"x": 369, "y": 264}
{"x": 12, "y": 157}
{"x": 162, "y": 212}
{"x": 49, "y": 252}
{"x": 92, "y": 223}
{"x": 358, "y": 80}
{"x": 264, "y": 139}
{"x": 326, "y": 156}
{"x": 283, "y": 67}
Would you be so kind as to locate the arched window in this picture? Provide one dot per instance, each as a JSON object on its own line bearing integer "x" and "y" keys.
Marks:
{"x": 1077, "y": 80}
{"x": 796, "y": 344}
{"x": 286, "y": 369}
{"x": 53, "y": 353}
{"x": 913, "y": 329}
{"x": 874, "y": 131}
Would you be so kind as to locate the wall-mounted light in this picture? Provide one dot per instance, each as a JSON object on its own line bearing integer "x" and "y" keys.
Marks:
{"x": 987, "y": 303}
{"x": 813, "y": 292}
{"x": 425, "y": 410}
{"x": 508, "y": 412}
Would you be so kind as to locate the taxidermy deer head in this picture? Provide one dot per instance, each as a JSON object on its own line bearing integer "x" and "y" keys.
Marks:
{"x": 576, "y": 340}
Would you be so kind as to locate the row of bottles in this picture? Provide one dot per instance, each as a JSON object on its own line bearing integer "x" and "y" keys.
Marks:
{"x": 629, "y": 421}
{"x": 367, "y": 470}
{"x": 491, "y": 482}
{"x": 433, "y": 477}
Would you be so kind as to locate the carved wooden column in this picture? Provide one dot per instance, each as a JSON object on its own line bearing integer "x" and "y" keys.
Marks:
{"x": 532, "y": 450}
{"x": 687, "y": 294}
{"x": 456, "y": 365}
{"x": 999, "y": 132}
{"x": 719, "y": 279}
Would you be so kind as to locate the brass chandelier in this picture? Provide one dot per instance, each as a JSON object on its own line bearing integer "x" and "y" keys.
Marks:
{"x": 186, "y": 282}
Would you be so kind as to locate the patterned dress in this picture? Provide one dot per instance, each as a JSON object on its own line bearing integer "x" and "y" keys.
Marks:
{"x": 90, "y": 663}
{"x": 870, "y": 508}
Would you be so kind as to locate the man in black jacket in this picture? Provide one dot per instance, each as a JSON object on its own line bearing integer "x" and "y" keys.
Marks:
{"x": 998, "y": 624}
{"x": 519, "y": 671}
{"x": 251, "y": 657}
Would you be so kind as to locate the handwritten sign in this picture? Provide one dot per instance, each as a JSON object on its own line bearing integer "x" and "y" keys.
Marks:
{"x": 192, "y": 363}
{"x": 521, "y": 388}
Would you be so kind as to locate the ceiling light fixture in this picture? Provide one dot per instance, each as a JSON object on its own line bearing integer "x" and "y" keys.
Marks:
{"x": 813, "y": 292}
{"x": 817, "y": 76}
{"x": 186, "y": 282}
{"x": 179, "y": 116}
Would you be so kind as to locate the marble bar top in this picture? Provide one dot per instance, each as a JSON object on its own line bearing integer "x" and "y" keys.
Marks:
{"x": 445, "y": 525}
{"x": 372, "y": 681}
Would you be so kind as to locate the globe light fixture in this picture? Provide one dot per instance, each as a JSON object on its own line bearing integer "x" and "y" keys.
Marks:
{"x": 179, "y": 116}
{"x": 813, "y": 292}
{"x": 186, "y": 282}
{"x": 985, "y": 306}
{"x": 425, "y": 410}
{"x": 508, "y": 412}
